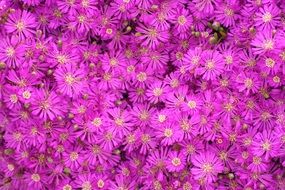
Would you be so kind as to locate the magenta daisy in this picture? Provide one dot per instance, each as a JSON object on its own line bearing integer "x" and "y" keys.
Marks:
{"x": 169, "y": 134}
{"x": 264, "y": 42}
{"x": 226, "y": 14}
{"x": 205, "y": 6}
{"x": 35, "y": 180}
{"x": 175, "y": 162}
{"x": 192, "y": 104}
{"x": 268, "y": 17}
{"x": 157, "y": 92}
{"x": 115, "y": 60}
{"x": 182, "y": 22}
{"x": 97, "y": 155}
{"x": 192, "y": 59}
{"x": 121, "y": 122}
{"x": 206, "y": 167}
{"x": 12, "y": 52}
{"x": 212, "y": 65}
{"x": 21, "y": 23}
{"x": 84, "y": 181}
{"x": 265, "y": 144}
{"x": 248, "y": 83}
{"x": 70, "y": 80}
{"x": 73, "y": 159}
{"x": 47, "y": 105}
{"x": 152, "y": 37}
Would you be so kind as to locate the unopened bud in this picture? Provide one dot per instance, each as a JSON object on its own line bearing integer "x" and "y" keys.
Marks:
{"x": 216, "y": 26}
{"x": 231, "y": 176}
{"x": 213, "y": 40}
{"x": 2, "y": 65}
{"x": 129, "y": 28}
{"x": 49, "y": 72}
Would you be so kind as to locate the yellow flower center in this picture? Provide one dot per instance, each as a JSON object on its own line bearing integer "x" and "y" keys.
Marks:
{"x": 36, "y": 177}
{"x": 109, "y": 31}
{"x": 229, "y": 59}
{"x": 265, "y": 116}
{"x": 26, "y": 94}
{"x": 100, "y": 183}
{"x": 207, "y": 167}
{"x": 176, "y": 161}
{"x": 192, "y": 104}
{"x": 267, "y": 17}
{"x": 141, "y": 76}
{"x": 229, "y": 12}
{"x": 10, "y": 51}
{"x": 268, "y": 44}
{"x": 223, "y": 155}
{"x": 276, "y": 79}
{"x": 86, "y": 185}
{"x": 224, "y": 82}
{"x": 131, "y": 138}
{"x": 96, "y": 149}
{"x": 153, "y": 33}
{"x": 185, "y": 126}
{"x": 109, "y": 136}
{"x": 182, "y": 20}
{"x": 210, "y": 64}
{"x": 131, "y": 68}
{"x": 84, "y": 3}
{"x": 119, "y": 121}
{"x": 187, "y": 186}
{"x": 113, "y": 62}
{"x": 62, "y": 59}
{"x": 107, "y": 76}
{"x": 73, "y": 156}
{"x": 266, "y": 146}
{"x": 174, "y": 83}
{"x": 97, "y": 122}
{"x": 269, "y": 62}
{"x": 157, "y": 92}
{"x": 20, "y": 25}
{"x": 168, "y": 132}
{"x": 195, "y": 60}
{"x": 244, "y": 155}
{"x": 45, "y": 105}
{"x": 248, "y": 83}
{"x": 69, "y": 79}
{"x": 190, "y": 149}
{"x": 144, "y": 115}
{"x": 81, "y": 19}
{"x": 13, "y": 98}
{"x": 145, "y": 138}
{"x": 179, "y": 55}
{"x": 140, "y": 91}
{"x": 161, "y": 118}
{"x": 67, "y": 187}
{"x": 256, "y": 160}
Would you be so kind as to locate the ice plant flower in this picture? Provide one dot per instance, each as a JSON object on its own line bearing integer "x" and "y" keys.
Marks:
{"x": 176, "y": 162}
{"x": 206, "y": 167}
{"x": 142, "y": 94}
{"x": 47, "y": 105}
{"x": 70, "y": 80}
{"x": 12, "y": 52}
{"x": 212, "y": 65}
{"x": 21, "y": 23}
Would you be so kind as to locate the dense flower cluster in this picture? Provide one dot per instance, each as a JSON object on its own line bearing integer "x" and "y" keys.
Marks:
{"x": 142, "y": 94}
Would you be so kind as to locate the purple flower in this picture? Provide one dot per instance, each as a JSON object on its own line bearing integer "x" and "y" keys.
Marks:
{"x": 21, "y": 23}
{"x": 206, "y": 167}
{"x": 142, "y": 94}
{"x": 12, "y": 52}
